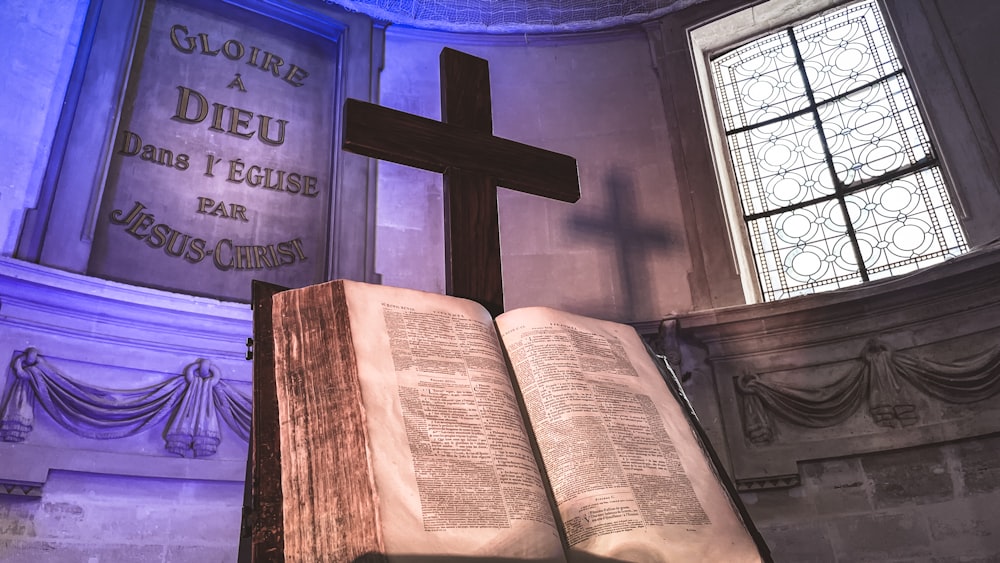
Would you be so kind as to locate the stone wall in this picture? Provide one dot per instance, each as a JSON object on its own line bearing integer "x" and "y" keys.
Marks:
{"x": 39, "y": 42}
{"x": 68, "y": 497}
{"x": 91, "y": 518}
{"x": 96, "y": 508}
{"x": 128, "y": 499}
{"x": 601, "y": 98}
{"x": 897, "y": 471}
{"x": 619, "y": 252}
{"x": 934, "y": 503}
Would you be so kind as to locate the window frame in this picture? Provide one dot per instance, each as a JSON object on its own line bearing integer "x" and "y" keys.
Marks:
{"x": 920, "y": 42}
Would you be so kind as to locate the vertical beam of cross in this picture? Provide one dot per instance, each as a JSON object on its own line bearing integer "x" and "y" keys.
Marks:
{"x": 471, "y": 217}
{"x": 474, "y": 163}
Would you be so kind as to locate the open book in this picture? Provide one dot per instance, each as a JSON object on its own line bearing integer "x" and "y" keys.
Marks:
{"x": 414, "y": 426}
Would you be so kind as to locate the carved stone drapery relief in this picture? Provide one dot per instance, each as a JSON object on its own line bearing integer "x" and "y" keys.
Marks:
{"x": 849, "y": 372}
{"x": 883, "y": 379}
{"x": 190, "y": 403}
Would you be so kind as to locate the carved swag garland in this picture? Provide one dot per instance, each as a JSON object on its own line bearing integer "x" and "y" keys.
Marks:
{"x": 878, "y": 380}
{"x": 193, "y": 403}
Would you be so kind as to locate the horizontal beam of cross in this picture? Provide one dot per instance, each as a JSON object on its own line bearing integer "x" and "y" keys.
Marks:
{"x": 388, "y": 134}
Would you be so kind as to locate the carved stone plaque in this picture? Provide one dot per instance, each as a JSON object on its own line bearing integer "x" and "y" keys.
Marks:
{"x": 222, "y": 166}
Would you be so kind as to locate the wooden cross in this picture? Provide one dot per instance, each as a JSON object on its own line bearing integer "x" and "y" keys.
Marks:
{"x": 474, "y": 163}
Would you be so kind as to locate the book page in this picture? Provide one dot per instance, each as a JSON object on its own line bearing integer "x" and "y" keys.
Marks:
{"x": 452, "y": 463}
{"x": 629, "y": 477}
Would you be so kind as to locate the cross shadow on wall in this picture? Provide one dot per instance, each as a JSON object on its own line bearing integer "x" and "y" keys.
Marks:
{"x": 632, "y": 240}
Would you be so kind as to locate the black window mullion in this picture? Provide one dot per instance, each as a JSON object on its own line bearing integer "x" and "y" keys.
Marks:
{"x": 850, "y": 189}
{"x": 838, "y": 185}
{"x": 830, "y": 100}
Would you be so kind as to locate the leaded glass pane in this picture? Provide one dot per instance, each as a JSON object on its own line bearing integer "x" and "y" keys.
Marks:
{"x": 837, "y": 175}
{"x": 846, "y": 49}
{"x": 906, "y": 223}
{"x": 803, "y": 251}
{"x": 780, "y": 164}
{"x": 874, "y": 131}
{"x": 758, "y": 82}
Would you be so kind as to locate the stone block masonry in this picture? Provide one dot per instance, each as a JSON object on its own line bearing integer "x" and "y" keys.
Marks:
{"x": 929, "y": 503}
{"x": 108, "y": 519}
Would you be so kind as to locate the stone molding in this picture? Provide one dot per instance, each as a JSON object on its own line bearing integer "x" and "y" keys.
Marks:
{"x": 783, "y": 382}
{"x": 883, "y": 379}
{"x": 103, "y": 334}
{"x": 19, "y": 490}
{"x": 191, "y": 404}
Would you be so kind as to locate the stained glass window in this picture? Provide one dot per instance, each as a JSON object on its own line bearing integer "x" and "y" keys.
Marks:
{"x": 836, "y": 173}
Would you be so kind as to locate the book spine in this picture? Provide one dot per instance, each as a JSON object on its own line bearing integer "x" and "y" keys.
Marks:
{"x": 330, "y": 500}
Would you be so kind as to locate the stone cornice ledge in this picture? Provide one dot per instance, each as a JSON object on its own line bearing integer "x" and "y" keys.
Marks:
{"x": 35, "y": 462}
{"x": 48, "y": 300}
{"x": 920, "y": 296}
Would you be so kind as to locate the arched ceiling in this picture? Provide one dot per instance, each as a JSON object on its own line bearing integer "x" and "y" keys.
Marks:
{"x": 514, "y": 16}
